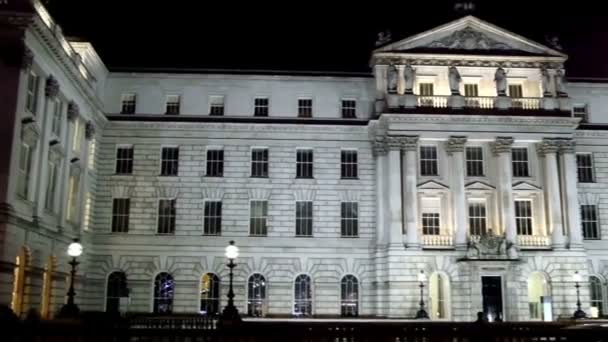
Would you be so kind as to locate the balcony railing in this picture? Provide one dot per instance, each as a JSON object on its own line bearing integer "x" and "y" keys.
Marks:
{"x": 433, "y": 101}
{"x": 533, "y": 241}
{"x": 437, "y": 240}
{"x": 525, "y": 103}
{"x": 485, "y": 102}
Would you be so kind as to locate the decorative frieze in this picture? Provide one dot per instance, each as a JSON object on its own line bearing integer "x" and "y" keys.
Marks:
{"x": 456, "y": 144}
{"x": 502, "y": 145}
{"x": 89, "y": 130}
{"x": 548, "y": 146}
{"x": 51, "y": 88}
{"x": 468, "y": 62}
{"x": 410, "y": 142}
{"x": 73, "y": 111}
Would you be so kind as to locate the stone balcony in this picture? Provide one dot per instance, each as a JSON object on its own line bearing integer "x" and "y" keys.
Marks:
{"x": 482, "y": 105}
{"x": 533, "y": 242}
{"x": 437, "y": 241}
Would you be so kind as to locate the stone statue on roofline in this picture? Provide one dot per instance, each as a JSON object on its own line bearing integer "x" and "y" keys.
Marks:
{"x": 409, "y": 75}
{"x": 392, "y": 79}
{"x": 500, "y": 77}
{"x": 546, "y": 81}
{"x": 454, "y": 78}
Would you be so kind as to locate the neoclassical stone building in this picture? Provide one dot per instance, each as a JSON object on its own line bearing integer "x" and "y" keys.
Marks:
{"x": 465, "y": 154}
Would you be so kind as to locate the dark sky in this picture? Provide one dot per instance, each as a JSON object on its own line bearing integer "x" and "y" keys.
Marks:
{"x": 308, "y": 35}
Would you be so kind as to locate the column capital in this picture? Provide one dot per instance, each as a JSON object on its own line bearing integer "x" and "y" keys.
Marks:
{"x": 51, "y": 88}
{"x": 502, "y": 145}
{"x": 456, "y": 144}
{"x": 73, "y": 111}
{"x": 547, "y": 146}
{"x": 567, "y": 146}
{"x": 410, "y": 142}
{"x": 379, "y": 147}
{"x": 393, "y": 142}
{"x": 89, "y": 130}
{"x": 27, "y": 59}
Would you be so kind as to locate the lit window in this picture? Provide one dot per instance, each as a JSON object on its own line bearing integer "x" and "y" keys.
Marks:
{"x": 169, "y": 161}
{"x": 431, "y": 214}
{"x": 215, "y": 163}
{"x": 348, "y": 164}
{"x": 73, "y": 194}
{"x": 302, "y": 301}
{"x": 31, "y": 99}
{"x": 260, "y": 106}
{"x": 305, "y": 108}
{"x": 428, "y": 161}
{"x": 304, "y": 219}
{"x": 164, "y": 290}
{"x": 210, "y": 294}
{"x": 216, "y": 105}
{"x": 477, "y": 218}
{"x": 523, "y": 217}
{"x": 120, "y": 215}
{"x": 349, "y": 299}
{"x": 259, "y": 162}
{"x": 172, "y": 105}
{"x": 258, "y": 217}
{"x": 128, "y": 104}
{"x": 474, "y": 161}
{"x": 584, "y": 162}
{"x": 212, "y": 218}
{"x": 439, "y": 289}
{"x": 304, "y": 163}
{"x": 519, "y": 157}
{"x": 166, "y": 216}
{"x": 471, "y": 90}
{"x": 349, "y": 109}
{"x": 349, "y": 219}
{"x": 124, "y": 160}
{"x": 596, "y": 294}
{"x": 426, "y": 89}
{"x": 256, "y": 296}
{"x": 516, "y": 93}
{"x": 590, "y": 222}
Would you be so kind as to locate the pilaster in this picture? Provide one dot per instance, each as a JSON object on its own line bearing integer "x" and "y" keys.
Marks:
{"x": 455, "y": 149}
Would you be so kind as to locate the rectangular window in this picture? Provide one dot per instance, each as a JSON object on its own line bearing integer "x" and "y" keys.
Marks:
{"x": 260, "y": 106}
{"x": 259, "y": 162}
{"x": 516, "y": 93}
{"x": 215, "y": 163}
{"x": 304, "y": 218}
{"x": 57, "y": 114}
{"x": 169, "y": 163}
{"x": 584, "y": 163}
{"x": 258, "y": 217}
{"x": 580, "y": 111}
{"x": 471, "y": 90}
{"x": 304, "y": 163}
{"x": 128, "y": 104}
{"x": 305, "y": 108}
{"x": 348, "y": 164}
{"x": 590, "y": 222}
{"x": 523, "y": 217}
{"x": 31, "y": 99}
{"x": 349, "y": 215}
{"x": 51, "y": 185}
{"x": 73, "y": 197}
{"x": 173, "y": 102}
{"x": 25, "y": 168}
{"x": 212, "y": 219}
{"x": 477, "y": 218}
{"x": 430, "y": 218}
{"x": 519, "y": 159}
{"x": 426, "y": 89}
{"x": 166, "y": 216}
{"x": 124, "y": 160}
{"x": 428, "y": 161}
{"x": 349, "y": 109}
{"x": 78, "y": 136}
{"x": 474, "y": 161}
{"x": 216, "y": 105}
{"x": 120, "y": 215}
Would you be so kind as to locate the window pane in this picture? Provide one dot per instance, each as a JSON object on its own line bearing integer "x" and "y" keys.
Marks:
{"x": 349, "y": 303}
{"x": 164, "y": 289}
{"x": 210, "y": 294}
{"x": 261, "y": 106}
{"x": 348, "y": 164}
{"x": 215, "y": 163}
{"x": 166, "y": 216}
{"x": 124, "y": 160}
{"x": 584, "y": 163}
{"x": 304, "y": 164}
{"x": 258, "y": 218}
{"x": 173, "y": 104}
{"x": 304, "y": 218}
{"x": 216, "y": 105}
{"x": 349, "y": 219}
{"x": 305, "y": 108}
{"x": 428, "y": 161}
{"x": 523, "y": 217}
{"x": 256, "y": 296}
{"x": 259, "y": 162}
{"x": 477, "y": 218}
{"x": 349, "y": 109}
{"x": 590, "y": 222}
{"x": 520, "y": 162}
{"x": 169, "y": 161}
{"x": 302, "y": 296}
{"x": 128, "y": 104}
{"x": 212, "y": 218}
{"x": 120, "y": 215}
{"x": 474, "y": 161}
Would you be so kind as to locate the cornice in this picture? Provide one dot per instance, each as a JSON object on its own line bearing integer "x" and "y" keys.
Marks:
{"x": 479, "y": 119}
{"x": 418, "y": 59}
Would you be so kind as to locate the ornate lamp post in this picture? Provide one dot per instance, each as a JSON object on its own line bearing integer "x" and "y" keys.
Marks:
{"x": 422, "y": 314}
{"x": 230, "y": 315}
{"x": 70, "y": 309}
{"x": 579, "y": 313}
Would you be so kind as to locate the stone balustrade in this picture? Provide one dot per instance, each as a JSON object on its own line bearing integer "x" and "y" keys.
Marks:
{"x": 437, "y": 241}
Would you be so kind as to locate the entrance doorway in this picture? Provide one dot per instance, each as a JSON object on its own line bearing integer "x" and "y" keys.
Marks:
{"x": 491, "y": 291}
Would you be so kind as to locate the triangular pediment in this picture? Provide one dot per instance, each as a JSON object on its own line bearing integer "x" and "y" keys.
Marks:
{"x": 525, "y": 186}
{"x": 432, "y": 185}
{"x": 470, "y": 35}
{"x": 478, "y": 185}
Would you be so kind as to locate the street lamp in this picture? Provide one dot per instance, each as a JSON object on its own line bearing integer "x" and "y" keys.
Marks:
{"x": 422, "y": 314}
{"x": 579, "y": 313}
{"x": 70, "y": 309}
{"x": 230, "y": 315}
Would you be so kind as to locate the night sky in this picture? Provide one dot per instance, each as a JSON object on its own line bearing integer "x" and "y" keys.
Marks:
{"x": 308, "y": 35}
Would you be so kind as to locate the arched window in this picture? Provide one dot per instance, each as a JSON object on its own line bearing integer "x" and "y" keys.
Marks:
{"x": 349, "y": 304}
{"x": 116, "y": 289}
{"x": 439, "y": 292}
{"x": 538, "y": 291}
{"x": 256, "y": 300}
{"x": 210, "y": 294}
{"x": 47, "y": 284}
{"x": 302, "y": 304}
{"x": 164, "y": 288}
{"x": 596, "y": 295}
{"x": 19, "y": 282}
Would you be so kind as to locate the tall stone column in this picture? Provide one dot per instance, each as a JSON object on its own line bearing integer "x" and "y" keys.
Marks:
{"x": 455, "y": 149}
{"x": 395, "y": 224}
{"x": 51, "y": 91}
{"x": 410, "y": 191}
{"x": 380, "y": 76}
{"x": 73, "y": 113}
{"x": 400, "y": 79}
{"x": 380, "y": 152}
{"x": 548, "y": 148}
{"x": 502, "y": 149}
{"x": 573, "y": 214}
{"x": 89, "y": 134}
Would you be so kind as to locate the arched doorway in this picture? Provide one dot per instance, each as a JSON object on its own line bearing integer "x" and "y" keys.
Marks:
{"x": 539, "y": 302}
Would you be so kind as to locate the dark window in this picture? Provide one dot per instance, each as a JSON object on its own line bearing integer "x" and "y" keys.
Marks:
{"x": 120, "y": 215}
{"x": 349, "y": 215}
{"x": 520, "y": 162}
{"x": 256, "y": 296}
{"x": 164, "y": 289}
{"x": 302, "y": 303}
{"x": 477, "y": 218}
{"x": 580, "y": 111}
{"x": 349, "y": 304}
{"x": 259, "y": 162}
{"x": 116, "y": 289}
{"x": 348, "y": 164}
{"x": 304, "y": 164}
{"x": 216, "y": 105}
{"x": 428, "y": 161}
{"x": 210, "y": 295}
{"x": 349, "y": 109}
{"x": 584, "y": 162}
{"x": 215, "y": 163}
{"x": 169, "y": 161}
{"x": 304, "y": 218}
{"x": 166, "y": 216}
{"x": 260, "y": 106}
{"x": 172, "y": 105}
{"x": 589, "y": 221}
{"x": 430, "y": 223}
{"x": 124, "y": 160}
{"x": 523, "y": 217}
{"x": 474, "y": 161}
{"x": 31, "y": 99}
{"x": 128, "y": 104}
{"x": 258, "y": 212}
{"x": 305, "y": 108}
{"x": 212, "y": 220}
